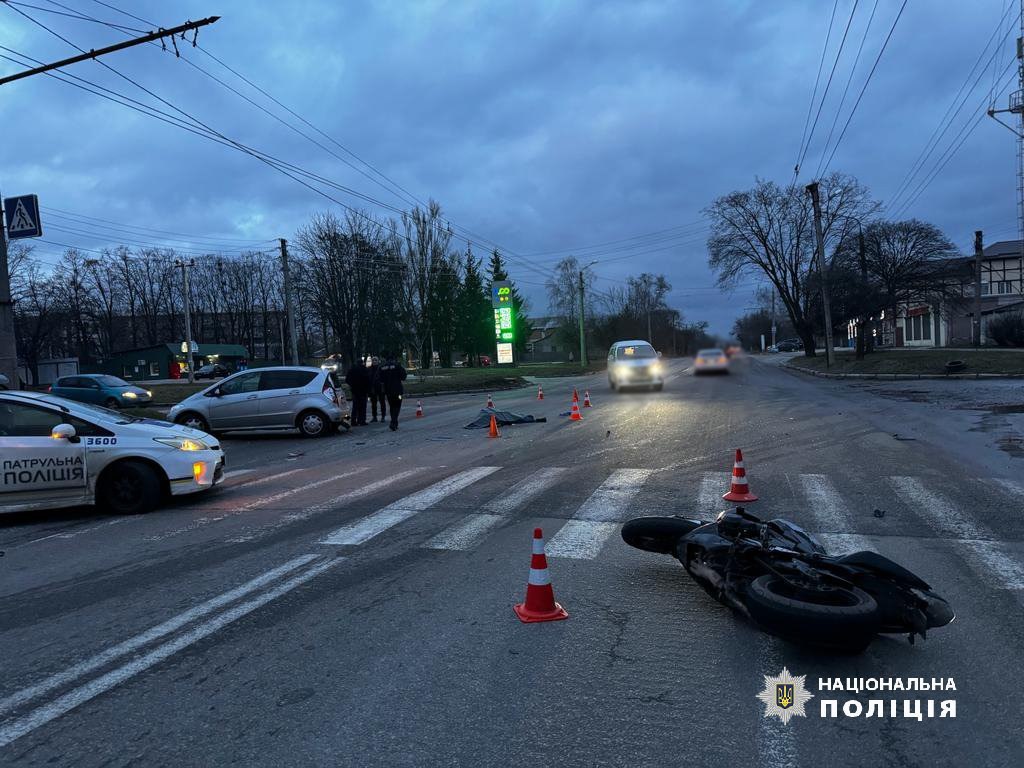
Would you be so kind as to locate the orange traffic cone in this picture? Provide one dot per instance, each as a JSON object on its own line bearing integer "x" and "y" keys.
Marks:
{"x": 493, "y": 431}
{"x": 575, "y": 415}
{"x": 490, "y": 402}
{"x": 739, "y": 490}
{"x": 586, "y": 399}
{"x": 419, "y": 409}
{"x": 540, "y": 602}
{"x": 540, "y": 392}
{"x": 575, "y": 395}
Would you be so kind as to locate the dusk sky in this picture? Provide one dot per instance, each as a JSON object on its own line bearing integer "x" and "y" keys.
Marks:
{"x": 549, "y": 128}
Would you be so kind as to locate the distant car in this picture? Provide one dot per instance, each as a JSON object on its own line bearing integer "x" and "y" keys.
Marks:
{"x": 710, "y": 361}
{"x": 282, "y": 397}
{"x": 100, "y": 389}
{"x": 212, "y": 371}
{"x": 789, "y": 345}
{"x": 733, "y": 350}
{"x": 56, "y": 453}
{"x": 635, "y": 364}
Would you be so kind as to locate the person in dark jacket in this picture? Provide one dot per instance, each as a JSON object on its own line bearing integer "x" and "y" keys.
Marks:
{"x": 392, "y": 374}
{"x": 377, "y": 390}
{"x": 358, "y": 380}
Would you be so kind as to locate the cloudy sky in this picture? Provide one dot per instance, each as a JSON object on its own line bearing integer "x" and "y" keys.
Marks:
{"x": 595, "y": 128}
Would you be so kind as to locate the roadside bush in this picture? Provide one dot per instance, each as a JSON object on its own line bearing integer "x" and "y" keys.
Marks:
{"x": 1007, "y": 329}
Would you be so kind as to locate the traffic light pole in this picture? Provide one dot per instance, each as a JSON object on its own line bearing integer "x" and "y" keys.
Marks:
{"x": 188, "y": 317}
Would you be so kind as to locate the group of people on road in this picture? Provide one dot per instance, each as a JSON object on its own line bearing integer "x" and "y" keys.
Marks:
{"x": 381, "y": 383}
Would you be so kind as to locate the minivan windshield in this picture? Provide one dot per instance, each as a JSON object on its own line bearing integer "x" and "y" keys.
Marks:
{"x": 638, "y": 351}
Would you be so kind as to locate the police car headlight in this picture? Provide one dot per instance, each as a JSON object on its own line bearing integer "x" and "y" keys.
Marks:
{"x": 183, "y": 443}
{"x": 129, "y": 395}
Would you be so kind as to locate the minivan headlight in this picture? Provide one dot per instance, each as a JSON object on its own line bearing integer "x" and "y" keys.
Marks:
{"x": 183, "y": 443}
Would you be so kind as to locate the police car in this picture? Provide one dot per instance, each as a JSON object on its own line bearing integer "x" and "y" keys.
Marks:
{"x": 60, "y": 453}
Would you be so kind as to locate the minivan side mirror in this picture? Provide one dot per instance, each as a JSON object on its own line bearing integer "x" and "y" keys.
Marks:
{"x": 64, "y": 432}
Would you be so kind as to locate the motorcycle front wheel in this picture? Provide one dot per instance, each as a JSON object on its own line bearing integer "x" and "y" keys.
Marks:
{"x": 657, "y": 534}
{"x": 838, "y": 617}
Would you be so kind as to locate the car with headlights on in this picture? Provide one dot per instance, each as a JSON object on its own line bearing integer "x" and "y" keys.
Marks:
{"x": 56, "y": 453}
{"x": 100, "y": 389}
{"x": 710, "y": 361}
{"x": 635, "y": 364}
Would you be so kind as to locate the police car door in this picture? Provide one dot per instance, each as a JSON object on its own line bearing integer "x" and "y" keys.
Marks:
{"x": 36, "y": 468}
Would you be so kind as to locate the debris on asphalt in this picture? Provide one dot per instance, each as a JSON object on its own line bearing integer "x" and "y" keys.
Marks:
{"x": 879, "y": 513}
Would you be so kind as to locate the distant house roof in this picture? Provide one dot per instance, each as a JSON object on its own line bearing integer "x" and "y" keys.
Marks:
{"x": 1002, "y": 248}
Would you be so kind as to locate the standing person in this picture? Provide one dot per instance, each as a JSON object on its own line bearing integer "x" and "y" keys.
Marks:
{"x": 392, "y": 374}
{"x": 377, "y": 390}
{"x": 358, "y": 380}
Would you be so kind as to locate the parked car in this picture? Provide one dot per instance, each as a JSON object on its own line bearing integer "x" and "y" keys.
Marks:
{"x": 56, "y": 452}
{"x": 789, "y": 345}
{"x": 282, "y": 397}
{"x": 100, "y": 389}
{"x": 710, "y": 361}
{"x": 212, "y": 371}
{"x": 634, "y": 364}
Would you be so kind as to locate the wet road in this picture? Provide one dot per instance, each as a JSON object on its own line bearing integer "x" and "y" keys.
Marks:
{"x": 347, "y": 601}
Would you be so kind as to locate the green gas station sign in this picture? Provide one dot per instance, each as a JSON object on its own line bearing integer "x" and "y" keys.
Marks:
{"x": 501, "y": 301}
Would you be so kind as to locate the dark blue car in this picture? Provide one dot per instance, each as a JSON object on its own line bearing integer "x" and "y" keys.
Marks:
{"x": 101, "y": 389}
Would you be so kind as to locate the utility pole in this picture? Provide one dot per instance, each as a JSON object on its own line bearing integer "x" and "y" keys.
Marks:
{"x": 8, "y": 341}
{"x": 583, "y": 338}
{"x": 188, "y": 314}
{"x": 978, "y": 253}
{"x": 1015, "y": 106}
{"x": 773, "y": 316}
{"x": 812, "y": 190}
{"x": 288, "y": 309}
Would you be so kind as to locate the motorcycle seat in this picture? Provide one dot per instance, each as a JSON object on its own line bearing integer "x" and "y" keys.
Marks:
{"x": 873, "y": 561}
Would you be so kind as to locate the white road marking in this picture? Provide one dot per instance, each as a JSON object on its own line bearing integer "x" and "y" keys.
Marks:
{"x": 305, "y": 514}
{"x": 580, "y": 539}
{"x": 78, "y": 696}
{"x": 522, "y": 492}
{"x": 713, "y": 485}
{"x": 256, "y": 504}
{"x": 953, "y": 523}
{"x": 79, "y": 531}
{"x": 160, "y": 630}
{"x": 1010, "y": 485}
{"x": 237, "y": 472}
{"x": 844, "y": 543}
{"x": 265, "y": 479}
{"x": 598, "y": 517}
{"x": 464, "y": 535}
{"x": 365, "y": 529}
{"x": 827, "y": 506}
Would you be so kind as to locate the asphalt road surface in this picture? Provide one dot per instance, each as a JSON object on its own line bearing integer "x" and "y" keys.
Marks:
{"x": 348, "y": 601}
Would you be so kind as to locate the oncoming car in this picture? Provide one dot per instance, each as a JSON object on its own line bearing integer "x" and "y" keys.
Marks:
{"x": 101, "y": 389}
{"x": 710, "y": 361}
{"x": 634, "y": 364}
{"x": 60, "y": 453}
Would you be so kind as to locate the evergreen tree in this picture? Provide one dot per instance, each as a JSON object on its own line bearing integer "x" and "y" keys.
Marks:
{"x": 474, "y": 319}
{"x": 519, "y": 305}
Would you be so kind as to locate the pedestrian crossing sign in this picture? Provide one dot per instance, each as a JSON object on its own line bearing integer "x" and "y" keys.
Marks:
{"x": 21, "y": 214}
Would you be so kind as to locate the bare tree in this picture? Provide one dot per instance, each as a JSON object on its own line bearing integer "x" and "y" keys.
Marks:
{"x": 769, "y": 231}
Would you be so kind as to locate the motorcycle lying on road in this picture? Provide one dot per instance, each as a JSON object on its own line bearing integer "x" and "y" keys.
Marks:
{"x": 780, "y": 577}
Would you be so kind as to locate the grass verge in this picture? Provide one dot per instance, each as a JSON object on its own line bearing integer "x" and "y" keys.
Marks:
{"x": 919, "y": 361}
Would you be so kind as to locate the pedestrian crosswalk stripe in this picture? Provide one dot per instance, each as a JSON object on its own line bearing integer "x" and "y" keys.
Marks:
{"x": 952, "y": 522}
{"x": 366, "y": 528}
{"x": 598, "y": 516}
{"x": 844, "y": 543}
{"x": 522, "y": 492}
{"x": 466, "y": 533}
{"x": 825, "y": 503}
{"x": 580, "y": 539}
{"x": 1010, "y": 485}
{"x": 712, "y": 486}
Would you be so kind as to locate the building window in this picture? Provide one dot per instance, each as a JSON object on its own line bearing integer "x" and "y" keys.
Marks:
{"x": 986, "y": 289}
{"x": 1003, "y": 287}
{"x": 154, "y": 369}
{"x": 926, "y": 327}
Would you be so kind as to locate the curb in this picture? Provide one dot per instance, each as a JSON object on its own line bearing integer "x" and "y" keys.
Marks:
{"x": 900, "y": 376}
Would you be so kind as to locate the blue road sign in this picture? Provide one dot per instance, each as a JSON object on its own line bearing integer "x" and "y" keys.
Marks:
{"x": 22, "y": 217}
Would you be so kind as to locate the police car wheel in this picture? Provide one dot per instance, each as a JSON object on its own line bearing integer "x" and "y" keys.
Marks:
{"x": 193, "y": 420}
{"x": 129, "y": 488}
{"x": 313, "y": 424}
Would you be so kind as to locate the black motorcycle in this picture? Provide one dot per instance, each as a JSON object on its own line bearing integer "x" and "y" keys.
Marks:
{"x": 780, "y": 576}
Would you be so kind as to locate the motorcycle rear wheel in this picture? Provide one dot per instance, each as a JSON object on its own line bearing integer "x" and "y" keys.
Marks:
{"x": 656, "y": 534}
{"x": 844, "y": 618}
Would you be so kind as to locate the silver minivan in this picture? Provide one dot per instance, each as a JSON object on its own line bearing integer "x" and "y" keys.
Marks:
{"x": 283, "y": 397}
